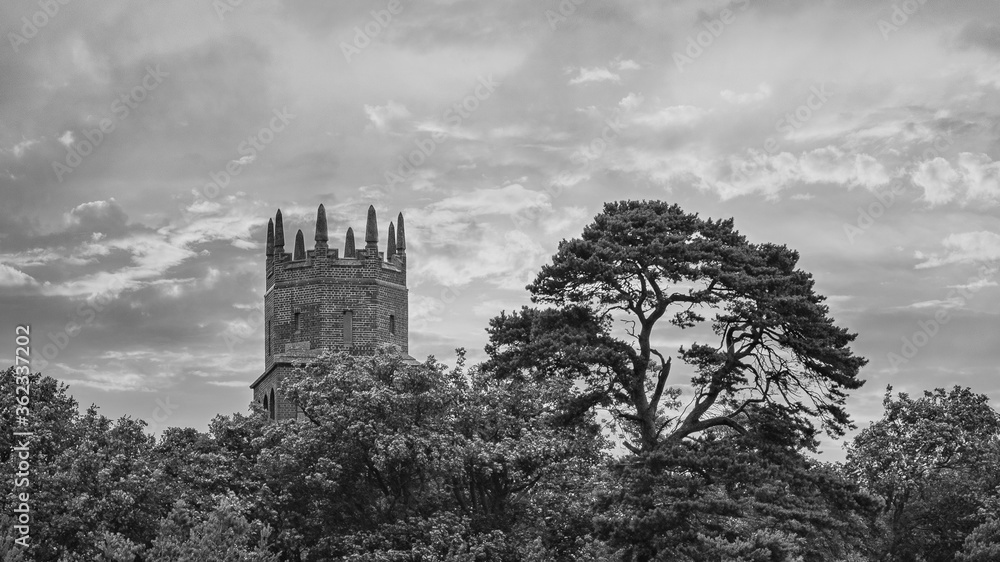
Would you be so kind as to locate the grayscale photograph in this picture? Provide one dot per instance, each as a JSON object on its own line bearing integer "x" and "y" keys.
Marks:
{"x": 510, "y": 281}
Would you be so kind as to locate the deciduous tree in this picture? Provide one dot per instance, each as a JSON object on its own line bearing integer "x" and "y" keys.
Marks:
{"x": 935, "y": 462}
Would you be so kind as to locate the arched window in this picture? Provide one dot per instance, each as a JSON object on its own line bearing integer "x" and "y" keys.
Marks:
{"x": 266, "y": 408}
{"x": 271, "y": 410}
{"x": 298, "y": 324}
{"x": 348, "y": 328}
{"x": 392, "y": 324}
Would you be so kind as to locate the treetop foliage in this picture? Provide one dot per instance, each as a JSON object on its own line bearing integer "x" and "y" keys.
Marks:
{"x": 508, "y": 460}
{"x": 643, "y": 261}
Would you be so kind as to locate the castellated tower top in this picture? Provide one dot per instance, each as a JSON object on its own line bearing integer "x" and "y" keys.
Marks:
{"x": 318, "y": 300}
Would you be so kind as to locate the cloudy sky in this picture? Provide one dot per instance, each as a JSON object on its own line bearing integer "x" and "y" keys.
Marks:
{"x": 143, "y": 146}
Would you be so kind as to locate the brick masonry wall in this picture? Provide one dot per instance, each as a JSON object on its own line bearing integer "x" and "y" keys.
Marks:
{"x": 284, "y": 410}
{"x": 320, "y": 289}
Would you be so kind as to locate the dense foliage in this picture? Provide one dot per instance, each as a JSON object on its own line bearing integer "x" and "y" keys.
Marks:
{"x": 643, "y": 262}
{"x": 935, "y": 462}
{"x": 571, "y": 442}
{"x": 390, "y": 462}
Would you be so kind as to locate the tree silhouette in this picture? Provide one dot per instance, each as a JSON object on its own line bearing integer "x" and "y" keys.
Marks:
{"x": 644, "y": 262}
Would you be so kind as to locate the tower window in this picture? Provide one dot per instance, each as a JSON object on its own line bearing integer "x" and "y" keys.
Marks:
{"x": 271, "y": 410}
{"x": 392, "y": 324}
{"x": 348, "y": 328}
{"x": 298, "y": 326}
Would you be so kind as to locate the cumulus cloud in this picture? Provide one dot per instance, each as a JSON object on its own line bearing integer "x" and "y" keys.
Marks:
{"x": 204, "y": 206}
{"x": 965, "y": 247}
{"x": 151, "y": 254}
{"x": 11, "y": 277}
{"x": 631, "y": 101}
{"x": 954, "y": 302}
{"x": 383, "y": 116}
{"x": 230, "y": 221}
{"x": 673, "y": 116}
{"x": 763, "y": 92}
{"x": 506, "y": 259}
{"x": 974, "y": 285}
{"x": 424, "y": 311}
{"x": 475, "y": 235}
{"x": 97, "y": 216}
{"x": 506, "y": 200}
{"x": 832, "y": 165}
{"x": 973, "y": 178}
{"x": 982, "y": 177}
{"x": 595, "y": 74}
{"x": 19, "y": 149}
{"x": 106, "y": 380}
{"x": 566, "y": 220}
{"x": 33, "y": 257}
{"x": 938, "y": 180}
{"x": 756, "y": 171}
{"x": 768, "y": 174}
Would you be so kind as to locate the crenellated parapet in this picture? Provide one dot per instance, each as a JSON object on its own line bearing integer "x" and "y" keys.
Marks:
{"x": 324, "y": 262}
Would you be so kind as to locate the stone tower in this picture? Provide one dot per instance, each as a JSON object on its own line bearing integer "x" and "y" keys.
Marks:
{"x": 318, "y": 300}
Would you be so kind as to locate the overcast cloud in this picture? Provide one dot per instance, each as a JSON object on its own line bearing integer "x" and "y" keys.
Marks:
{"x": 863, "y": 136}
